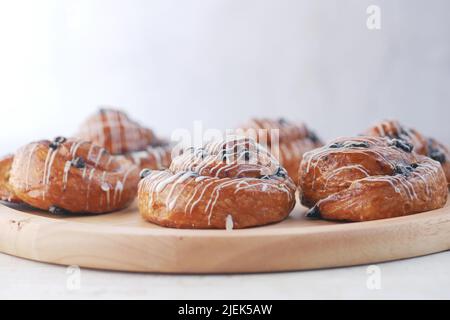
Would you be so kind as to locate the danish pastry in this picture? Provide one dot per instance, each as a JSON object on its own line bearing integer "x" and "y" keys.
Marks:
{"x": 72, "y": 175}
{"x": 293, "y": 140}
{"x": 422, "y": 145}
{"x": 234, "y": 183}
{"x": 368, "y": 178}
{"x": 117, "y": 133}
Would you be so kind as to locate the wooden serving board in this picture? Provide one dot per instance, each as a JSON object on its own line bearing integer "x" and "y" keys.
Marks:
{"x": 123, "y": 241}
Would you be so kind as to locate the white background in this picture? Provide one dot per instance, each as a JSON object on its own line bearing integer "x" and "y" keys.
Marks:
{"x": 221, "y": 61}
{"x": 171, "y": 62}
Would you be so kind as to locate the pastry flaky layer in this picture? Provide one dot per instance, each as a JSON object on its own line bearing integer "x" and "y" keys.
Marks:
{"x": 116, "y": 132}
{"x": 6, "y": 190}
{"x": 72, "y": 175}
{"x": 422, "y": 145}
{"x": 227, "y": 184}
{"x": 286, "y": 140}
{"x": 113, "y": 130}
{"x": 368, "y": 178}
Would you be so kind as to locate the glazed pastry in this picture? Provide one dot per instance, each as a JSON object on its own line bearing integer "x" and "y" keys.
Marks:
{"x": 368, "y": 178}
{"x": 228, "y": 184}
{"x": 6, "y": 192}
{"x": 293, "y": 141}
{"x": 72, "y": 175}
{"x": 123, "y": 137}
{"x": 422, "y": 145}
{"x": 114, "y": 131}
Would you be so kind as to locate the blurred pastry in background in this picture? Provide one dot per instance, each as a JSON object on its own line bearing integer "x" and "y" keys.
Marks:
{"x": 422, "y": 145}
{"x": 286, "y": 140}
{"x": 113, "y": 130}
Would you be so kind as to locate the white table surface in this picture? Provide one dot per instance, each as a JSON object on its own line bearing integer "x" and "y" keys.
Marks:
{"x": 418, "y": 278}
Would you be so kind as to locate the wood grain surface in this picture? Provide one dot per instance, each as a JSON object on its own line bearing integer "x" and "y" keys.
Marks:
{"x": 123, "y": 241}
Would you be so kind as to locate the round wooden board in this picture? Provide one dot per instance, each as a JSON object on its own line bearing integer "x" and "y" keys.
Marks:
{"x": 123, "y": 241}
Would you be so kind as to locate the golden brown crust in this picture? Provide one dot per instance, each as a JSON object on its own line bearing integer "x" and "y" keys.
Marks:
{"x": 235, "y": 183}
{"x": 422, "y": 145}
{"x": 113, "y": 130}
{"x": 289, "y": 143}
{"x": 394, "y": 130}
{"x": 368, "y": 178}
{"x": 441, "y": 153}
{"x": 116, "y": 132}
{"x": 72, "y": 175}
{"x": 6, "y": 191}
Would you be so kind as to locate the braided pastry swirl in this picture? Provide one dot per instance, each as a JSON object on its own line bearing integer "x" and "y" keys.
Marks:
{"x": 227, "y": 184}
{"x": 117, "y": 133}
{"x": 422, "y": 145}
{"x": 293, "y": 140}
{"x": 367, "y": 178}
{"x": 72, "y": 175}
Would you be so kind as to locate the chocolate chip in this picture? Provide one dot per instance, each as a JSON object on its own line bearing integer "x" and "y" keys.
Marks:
{"x": 361, "y": 144}
{"x": 56, "y": 210}
{"x": 145, "y": 172}
{"x": 265, "y": 177}
{"x": 438, "y": 156}
{"x": 79, "y": 163}
{"x": 281, "y": 172}
{"x": 415, "y": 165}
{"x": 404, "y": 170}
{"x": 59, "y": 140}
{"x": 224, "y": 155}
{"x": 402, "y": 144}
{"x": 314, "y": 213}
{"x": 435, "y": 153}
{"x": 246, "y": 155}
{"x": 54, "y": 145}
{"x": 335, "y": 145}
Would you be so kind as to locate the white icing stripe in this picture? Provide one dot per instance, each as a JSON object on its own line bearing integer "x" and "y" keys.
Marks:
{"x": 229, "y": 224}
{"x": 67, "y": 166}
{"x": 27, "y": 177}
{"x": 48, "y": 169}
